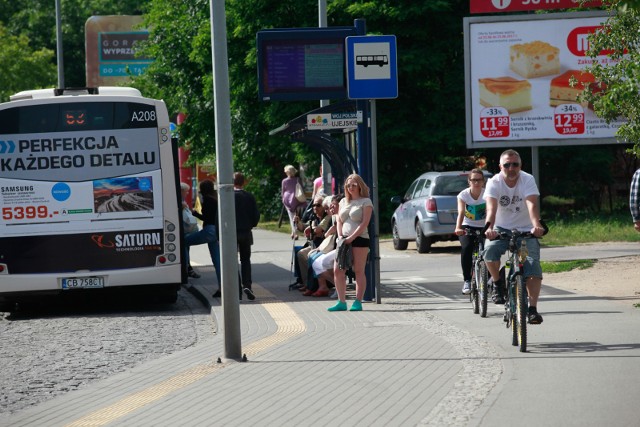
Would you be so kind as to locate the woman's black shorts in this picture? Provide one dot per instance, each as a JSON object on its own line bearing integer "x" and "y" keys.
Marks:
{"x": 360, "y": 242}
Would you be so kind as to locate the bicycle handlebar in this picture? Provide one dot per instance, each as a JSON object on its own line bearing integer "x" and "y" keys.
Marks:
{"x": 470, "y": 231}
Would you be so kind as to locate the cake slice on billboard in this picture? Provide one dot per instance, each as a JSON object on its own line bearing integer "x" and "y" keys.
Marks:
{"x": 562, "y": 92}
{"x": 534, "y": 59}
{"x": 512, "y": 94}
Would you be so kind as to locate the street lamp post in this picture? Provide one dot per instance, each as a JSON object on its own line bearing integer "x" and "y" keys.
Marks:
{"x": 59, "y": 46}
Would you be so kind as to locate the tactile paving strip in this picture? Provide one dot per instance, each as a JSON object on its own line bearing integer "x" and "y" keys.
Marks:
{"x": 289, "y": 324}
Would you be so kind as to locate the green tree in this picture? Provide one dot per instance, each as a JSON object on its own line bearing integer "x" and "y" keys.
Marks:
{"x": 23, "y": 67}
{"x": 620, "y": 75}
{"x": 36, "y": 20}
{"x": 421, "y": 130}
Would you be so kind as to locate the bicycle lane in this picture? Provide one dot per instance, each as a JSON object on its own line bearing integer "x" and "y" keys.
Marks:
{"x": 580, "y": 367}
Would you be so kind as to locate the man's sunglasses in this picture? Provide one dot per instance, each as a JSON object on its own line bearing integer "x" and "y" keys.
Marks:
{"x": 512, "y": 164}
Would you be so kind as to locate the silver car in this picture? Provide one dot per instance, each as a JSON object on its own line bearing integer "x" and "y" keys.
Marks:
{"x": 428, "y": 210}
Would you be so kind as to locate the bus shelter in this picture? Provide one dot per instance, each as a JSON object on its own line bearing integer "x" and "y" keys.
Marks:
{"x": 337, "y": 151}
{"x": 338, "y": 146}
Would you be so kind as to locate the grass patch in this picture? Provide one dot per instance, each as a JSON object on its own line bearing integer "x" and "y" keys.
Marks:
{"x": 273, "y": 226}
{"x": 575, "y": 229}
{"x": 562, "y": 266}
{"x": 590, "y": 229}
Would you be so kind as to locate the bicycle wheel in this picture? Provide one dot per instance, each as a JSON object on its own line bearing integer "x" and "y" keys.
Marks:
{"x": 483, "y": 289}
{"x": 473, "y": 296}
{"x": 520, "y": 321}
{"x": 511, "y": 312}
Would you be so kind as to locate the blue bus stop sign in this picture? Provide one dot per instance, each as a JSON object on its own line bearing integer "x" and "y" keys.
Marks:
{"x": 372, "y": 71}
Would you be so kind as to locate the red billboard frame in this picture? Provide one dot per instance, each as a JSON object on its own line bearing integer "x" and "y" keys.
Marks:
{"x": 503, "y": 6}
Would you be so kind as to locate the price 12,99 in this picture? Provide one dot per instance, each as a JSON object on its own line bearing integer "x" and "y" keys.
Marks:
{"x": 568, "y": 119}
{"x": 25, "y": 212}
{"x": 495, "y": 122}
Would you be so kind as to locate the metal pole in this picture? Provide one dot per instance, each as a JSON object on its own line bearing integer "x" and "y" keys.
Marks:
{"x": 59, "y": 46}
{"x": 326, "y": 168}
{"x": 365, "y": 170}
{"x": 375, "y": 242}
{"x": 535, "y": 164}
{"x": 226, "y": 198}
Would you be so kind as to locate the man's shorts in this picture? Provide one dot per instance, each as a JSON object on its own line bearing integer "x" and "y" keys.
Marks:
{"x": 494, "y": 249}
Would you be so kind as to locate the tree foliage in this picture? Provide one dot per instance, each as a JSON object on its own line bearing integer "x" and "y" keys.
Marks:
{"x": 421, "y": 130}
{"x": 620, "y": 75}
{"x": 33, "y": 70}
{"x": 36, "y": 20}
{"x": 424, "y": 129}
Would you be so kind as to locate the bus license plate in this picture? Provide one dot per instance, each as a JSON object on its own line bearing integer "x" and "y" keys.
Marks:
{"x": 82, "y": 282}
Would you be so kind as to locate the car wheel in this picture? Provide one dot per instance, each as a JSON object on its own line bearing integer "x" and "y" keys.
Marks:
{"x": 423, "y": 243}
{"x": 398, "y": 244}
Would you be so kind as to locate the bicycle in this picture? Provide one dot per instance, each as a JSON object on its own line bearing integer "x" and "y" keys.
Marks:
{"x": 517, "y": 300}
{"x": 479, "y": 275}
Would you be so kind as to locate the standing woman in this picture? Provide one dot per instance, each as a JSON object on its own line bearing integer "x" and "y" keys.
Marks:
{"x": 352, "y": 226}
{"x": 472, "y": 211}
{"x": 289, "y": 197}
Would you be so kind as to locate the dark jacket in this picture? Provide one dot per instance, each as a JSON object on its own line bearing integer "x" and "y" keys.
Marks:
{"x": 209, "y": 214}
{"x": 247, "y": 214}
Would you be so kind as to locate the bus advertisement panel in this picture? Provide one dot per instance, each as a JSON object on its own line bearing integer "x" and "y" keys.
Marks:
{"x": 87, "y": 193}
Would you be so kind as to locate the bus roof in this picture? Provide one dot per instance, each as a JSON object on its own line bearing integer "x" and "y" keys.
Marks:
{"x": 52, "y": 92}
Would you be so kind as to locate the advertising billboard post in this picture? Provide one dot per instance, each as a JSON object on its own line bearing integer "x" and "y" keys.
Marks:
{"x": 524, "y": 75}
{"x": 110, "y": 49}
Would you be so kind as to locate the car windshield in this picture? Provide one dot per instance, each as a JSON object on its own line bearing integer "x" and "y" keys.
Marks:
{"x": 450, "y": 185}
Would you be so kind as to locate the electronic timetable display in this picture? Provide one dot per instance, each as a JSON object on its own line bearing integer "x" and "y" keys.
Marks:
{"x": 302, "y": 63}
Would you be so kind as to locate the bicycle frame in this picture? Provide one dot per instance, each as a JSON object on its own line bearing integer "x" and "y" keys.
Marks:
{"x": 479, "y": 276}
{"x": 517, "y": 304}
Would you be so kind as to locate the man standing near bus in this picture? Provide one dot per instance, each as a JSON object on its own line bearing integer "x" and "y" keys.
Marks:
{"x": 247, "y": 217}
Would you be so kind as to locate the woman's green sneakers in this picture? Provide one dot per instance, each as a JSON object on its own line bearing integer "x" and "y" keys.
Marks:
{"x": 340, "y": 306}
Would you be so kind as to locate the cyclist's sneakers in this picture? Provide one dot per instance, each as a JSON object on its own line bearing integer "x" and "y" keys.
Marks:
{"x": 466, "y": 288}
{"x": 497, "y": 297}
{"x": 534, "y": 317}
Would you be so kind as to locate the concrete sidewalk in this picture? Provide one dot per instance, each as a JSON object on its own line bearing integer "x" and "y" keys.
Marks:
{"x": 393, "y": 364}
{"x": 306, "y": 366}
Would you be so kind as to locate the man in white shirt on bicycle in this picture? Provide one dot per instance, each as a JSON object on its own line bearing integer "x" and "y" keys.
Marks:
{"x": 512, "y": 203}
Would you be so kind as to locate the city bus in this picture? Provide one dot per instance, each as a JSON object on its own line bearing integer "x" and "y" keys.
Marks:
{"x": 89, "y": 195}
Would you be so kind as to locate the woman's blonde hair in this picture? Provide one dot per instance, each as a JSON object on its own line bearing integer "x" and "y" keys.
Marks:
{"x": 290, "y": 170}
{"x": 364, "y": 189}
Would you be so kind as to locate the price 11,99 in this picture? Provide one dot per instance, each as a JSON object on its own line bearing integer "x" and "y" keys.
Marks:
{"x": 495, "y": 122}
{"x": 25, "y": 212}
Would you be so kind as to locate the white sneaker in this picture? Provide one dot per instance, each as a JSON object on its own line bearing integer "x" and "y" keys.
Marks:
{"x": 466, "y": 288}
{"x": 334, "y": 295}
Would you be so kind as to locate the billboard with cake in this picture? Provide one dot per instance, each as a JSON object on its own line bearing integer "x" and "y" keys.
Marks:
{"x": 523, "y": 77}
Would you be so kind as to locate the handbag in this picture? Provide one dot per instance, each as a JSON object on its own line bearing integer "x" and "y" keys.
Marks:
{"x": 328, "y": 244}
{"x": 300, "y": 193}
{"x": 190, "y": 222}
